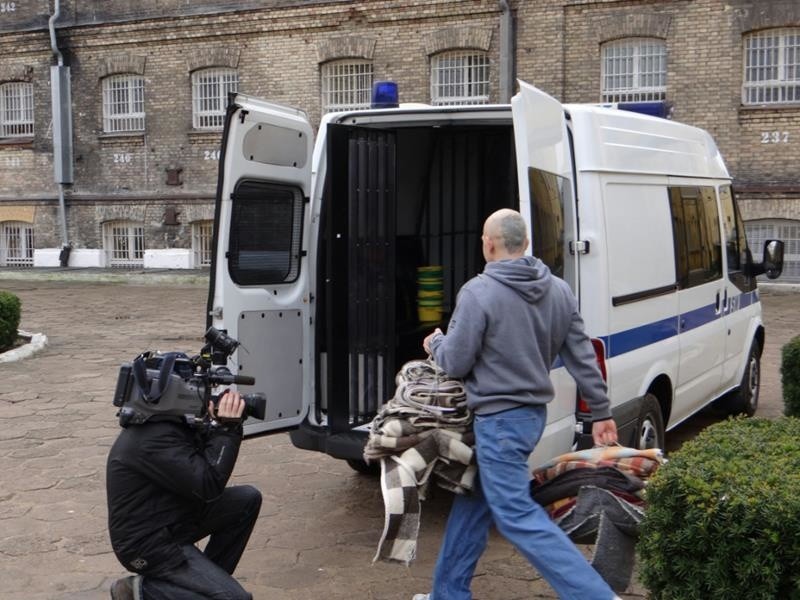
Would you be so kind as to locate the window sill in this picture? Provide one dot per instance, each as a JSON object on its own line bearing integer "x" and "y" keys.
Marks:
{"x": 762, "y": 111}
{"x": 25, "y": 142}
{"x": 126, "y": 136}
{"x": 205, "y": 135}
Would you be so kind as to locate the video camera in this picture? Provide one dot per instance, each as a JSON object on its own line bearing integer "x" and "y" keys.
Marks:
{"x": 173, "y": 384}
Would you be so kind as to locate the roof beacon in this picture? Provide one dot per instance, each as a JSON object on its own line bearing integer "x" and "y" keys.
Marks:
{"x": 384, "y": 94}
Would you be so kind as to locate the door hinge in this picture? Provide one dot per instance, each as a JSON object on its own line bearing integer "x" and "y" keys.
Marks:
{"x": 216, "y": 312}
{"x": 579, "y": 247}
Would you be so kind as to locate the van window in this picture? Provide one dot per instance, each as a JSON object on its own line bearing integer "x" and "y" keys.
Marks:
{"x": 736, "y": 249}
{"x": 548, "y": 193}
{"x": 695, "y": 226}
{"x": 266, "y": 230}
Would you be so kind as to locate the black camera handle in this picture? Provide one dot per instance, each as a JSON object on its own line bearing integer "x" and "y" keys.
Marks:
{"x": 140, "y": 375}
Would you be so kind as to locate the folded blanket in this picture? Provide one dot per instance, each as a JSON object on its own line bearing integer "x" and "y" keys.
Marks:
{"x": 423, "y": 433}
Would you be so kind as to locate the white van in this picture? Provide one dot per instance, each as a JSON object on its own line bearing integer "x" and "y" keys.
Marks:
{"x": 316, "y": 250}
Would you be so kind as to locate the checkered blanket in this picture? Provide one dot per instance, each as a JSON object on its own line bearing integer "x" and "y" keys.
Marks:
{"x": 423, "y": 434}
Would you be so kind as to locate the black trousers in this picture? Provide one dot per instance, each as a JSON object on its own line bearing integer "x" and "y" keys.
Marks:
{"x": 208, "y": 573}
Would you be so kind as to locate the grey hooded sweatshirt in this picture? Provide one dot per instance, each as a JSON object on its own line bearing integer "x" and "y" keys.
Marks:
{"x": 509, "y": 325}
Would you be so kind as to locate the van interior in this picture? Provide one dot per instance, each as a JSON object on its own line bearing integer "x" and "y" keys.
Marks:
{"x": 397, "y": 200}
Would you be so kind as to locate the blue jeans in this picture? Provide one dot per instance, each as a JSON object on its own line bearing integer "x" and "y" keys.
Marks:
{"x": 503, "y": 443}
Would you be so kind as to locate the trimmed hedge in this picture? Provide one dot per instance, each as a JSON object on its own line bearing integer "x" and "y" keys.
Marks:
{"x": 10, "y": 310}
{"x": 723, "y": 515}
{"x": 790, "y": 377}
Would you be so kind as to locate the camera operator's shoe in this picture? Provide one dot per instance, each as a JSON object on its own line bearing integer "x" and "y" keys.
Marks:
{"x": 127, "y": 588}
{"x": 421, "y": 597}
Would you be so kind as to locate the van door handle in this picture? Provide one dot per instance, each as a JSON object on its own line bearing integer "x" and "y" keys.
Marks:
{"x": 716, "y": 305}
{"x": 725, "y": 306}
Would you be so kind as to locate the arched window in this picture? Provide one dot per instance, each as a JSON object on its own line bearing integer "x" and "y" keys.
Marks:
{"x": 346, "y": 84}
{"x": 460, "y": 77}
{"x": 16, "y": 244}
{"x": 123, "y": 242}
{"x": 16, "y": 109}
{"x": 772, "y": 67}
{"x": 634, "y": 70}
{"x": 788, "y": 230}
{"x": 123, "y": 103}
{"x": 210, "y": 88}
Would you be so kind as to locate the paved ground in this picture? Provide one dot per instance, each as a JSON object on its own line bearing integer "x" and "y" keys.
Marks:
{"x": 320, "y": 521}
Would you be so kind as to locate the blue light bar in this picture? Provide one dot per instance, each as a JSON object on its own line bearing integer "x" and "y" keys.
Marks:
{"x": 661, "y": 108}
{"x": 385, "y": 95}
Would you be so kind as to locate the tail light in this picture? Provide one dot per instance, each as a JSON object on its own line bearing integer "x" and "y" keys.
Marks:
{"x": 600, "y": 356}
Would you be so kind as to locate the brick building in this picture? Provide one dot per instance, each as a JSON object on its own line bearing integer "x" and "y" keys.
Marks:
{"x": 149, "y": 82}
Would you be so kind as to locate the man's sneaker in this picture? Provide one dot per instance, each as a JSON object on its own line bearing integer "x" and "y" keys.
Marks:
{"x": 127, "y": 588}
{"x": 421, "y": 597}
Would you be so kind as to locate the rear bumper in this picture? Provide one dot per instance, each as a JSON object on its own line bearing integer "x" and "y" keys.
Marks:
{"x": 348, "y": 445}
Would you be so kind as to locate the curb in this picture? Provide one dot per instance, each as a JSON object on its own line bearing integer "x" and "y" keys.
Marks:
{"x": 107, "y": 276}
{"x": 37, "y": 342}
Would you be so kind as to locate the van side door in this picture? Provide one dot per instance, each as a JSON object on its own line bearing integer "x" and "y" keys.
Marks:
{"x": 547, "y": 201}
{"x": 259, "y": 285}
{"x": 701, "y": 289}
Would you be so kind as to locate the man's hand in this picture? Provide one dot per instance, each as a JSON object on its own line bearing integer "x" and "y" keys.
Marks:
{"x": 229, "y": 406}
{"x": 604, "y": 433}
{"x": 426, "y": 343}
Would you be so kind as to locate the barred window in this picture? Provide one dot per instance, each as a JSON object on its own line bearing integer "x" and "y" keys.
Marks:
{"x": 16, "y": 244}
{"x": 346, "y": 85}
{"x": 634, "y": 70}
{"x": 201, "y": 242}
{"x": 16, "y": 109}
{"x": 788, "y": 230}
{"x": 210, "y": 88}
{"x": 123, "y": 242}
{"x": 460, "y": 77}
{"x": 772, "y": 67}
{"x": 123, "y": 103}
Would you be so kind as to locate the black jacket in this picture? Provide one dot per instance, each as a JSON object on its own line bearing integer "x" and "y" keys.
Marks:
{"x": 159, "y": 477}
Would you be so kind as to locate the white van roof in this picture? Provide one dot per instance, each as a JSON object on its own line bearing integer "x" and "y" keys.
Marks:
{"x": 620, "y": 140}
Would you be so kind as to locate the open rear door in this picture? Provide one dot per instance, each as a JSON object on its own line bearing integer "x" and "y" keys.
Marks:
{"x": 547, "y": 201}
{"x": 259, "y": 274}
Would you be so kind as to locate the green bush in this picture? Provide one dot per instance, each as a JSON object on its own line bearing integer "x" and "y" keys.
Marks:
{"x": 10, "y": 307}
{"x": 723, "y": 515}
{"x": 790, "y": 377}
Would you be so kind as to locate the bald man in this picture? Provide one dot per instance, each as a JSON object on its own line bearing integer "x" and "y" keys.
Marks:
{"x": 509, "y": 325}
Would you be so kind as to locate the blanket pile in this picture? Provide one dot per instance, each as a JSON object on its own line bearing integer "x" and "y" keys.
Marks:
{"x": 423, "y": 433}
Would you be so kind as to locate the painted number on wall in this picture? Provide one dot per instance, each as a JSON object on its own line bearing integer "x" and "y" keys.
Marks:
{"x": 8, "y": 7}
{"x": 774, "y": 137}
{"x": 211, "y": 155}
{"x": 122, "y": 157}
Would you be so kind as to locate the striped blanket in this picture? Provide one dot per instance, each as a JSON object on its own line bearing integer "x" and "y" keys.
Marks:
{"x": 423, "y": 434}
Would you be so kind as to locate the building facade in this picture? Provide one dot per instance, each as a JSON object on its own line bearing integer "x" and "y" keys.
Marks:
{"x": 149, "y": 84}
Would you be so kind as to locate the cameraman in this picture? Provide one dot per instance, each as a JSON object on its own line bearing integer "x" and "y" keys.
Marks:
{"x": 165, "y": 483}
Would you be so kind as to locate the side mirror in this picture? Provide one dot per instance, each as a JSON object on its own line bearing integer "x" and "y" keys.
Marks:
{"x": 773, "y": 258}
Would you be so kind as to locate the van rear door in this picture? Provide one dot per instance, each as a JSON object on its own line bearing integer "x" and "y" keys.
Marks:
{"x": 547, "y": 201}
{"x": 259, "y": 290}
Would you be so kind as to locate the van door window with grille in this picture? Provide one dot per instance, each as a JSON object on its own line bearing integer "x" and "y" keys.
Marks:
{"x": 16, "y": 244}
{"x": 695, "y": 223}
{"x": 772, "y": 67}
{"x": 210, "y": 88}
{"x": 124, "y": 243}
{"x": 460, "y": 77}
{"x": 16, "y": 109}
{"x": 123, "y": 103}
{"x": 346, "y": 85}
{"x": 634, "y": 70}
{"x": 266, "y": 233}
{"x": 547, "y": 219}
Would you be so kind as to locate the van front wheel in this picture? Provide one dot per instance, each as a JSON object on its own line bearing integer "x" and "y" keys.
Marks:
{"x": 745, "y": 400}
{"x": 650, "y": 425}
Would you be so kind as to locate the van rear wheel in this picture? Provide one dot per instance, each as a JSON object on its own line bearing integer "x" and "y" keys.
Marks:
{"x": 650, "y": 425}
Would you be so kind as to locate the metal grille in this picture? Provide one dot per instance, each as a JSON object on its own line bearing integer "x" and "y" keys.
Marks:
{"x": 210, "y": 89}
{"x": 123, "y": 103}
{"x": 634, "y": 70}
{"x": 460, "y": 77}
{"x": 16, "y": 244}
{"x": 772, "y": 67}
{"x": 124, "y": 243}
{"x": 788, "y": 231}
{"x": 201, "y": 242}
{"x": 16, "y": 109}
{"x": 346, "y": 85}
